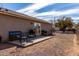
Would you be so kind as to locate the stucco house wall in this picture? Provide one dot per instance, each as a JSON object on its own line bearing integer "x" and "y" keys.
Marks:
{"x": 9, "y": 23}
{"x": 46, "y": 27}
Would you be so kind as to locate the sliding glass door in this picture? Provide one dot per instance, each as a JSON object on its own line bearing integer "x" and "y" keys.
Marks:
{"x": 37, "y": 27}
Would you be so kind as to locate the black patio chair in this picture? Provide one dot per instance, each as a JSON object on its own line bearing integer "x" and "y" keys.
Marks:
{"x": 31, "y": 35}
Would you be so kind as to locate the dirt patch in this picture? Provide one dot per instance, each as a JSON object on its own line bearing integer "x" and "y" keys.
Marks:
{"x": 58, "y": 45}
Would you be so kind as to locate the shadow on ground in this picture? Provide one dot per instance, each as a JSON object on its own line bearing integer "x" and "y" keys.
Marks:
{"x": 5, "y": 46}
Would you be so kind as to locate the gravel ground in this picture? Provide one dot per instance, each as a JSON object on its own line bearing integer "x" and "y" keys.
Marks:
{"x": 76, "y": 49}
{"x": 59, "y": 45}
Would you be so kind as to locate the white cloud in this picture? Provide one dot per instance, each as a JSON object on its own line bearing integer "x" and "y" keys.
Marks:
{"x": 71, "y": 11}
{"x": 39, "y": 1}
{"x": 53, "y": 13}
{"x": 30, "y": 10}
{"x": 33, "y": 7}
{"x": 75, "y": 18}
{"x": 60, "y": 13}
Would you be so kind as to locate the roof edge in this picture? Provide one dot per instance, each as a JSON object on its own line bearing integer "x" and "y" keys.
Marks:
{"x": 20, "y": 15}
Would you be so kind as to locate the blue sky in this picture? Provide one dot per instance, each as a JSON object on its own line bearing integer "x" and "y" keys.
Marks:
{"x": 15, "y": 6}
{"x": 46, "y": 11}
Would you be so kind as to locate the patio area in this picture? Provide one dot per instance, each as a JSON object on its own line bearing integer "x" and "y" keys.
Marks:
{"x": 33, "y": 41}
{"x": 59, "y": 45}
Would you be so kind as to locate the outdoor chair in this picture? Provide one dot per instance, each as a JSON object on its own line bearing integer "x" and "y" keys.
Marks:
{"x": 31, "y": 35}
{"x": 26, "y": 37}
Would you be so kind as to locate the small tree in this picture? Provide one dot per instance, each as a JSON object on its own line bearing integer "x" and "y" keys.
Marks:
{"x": 65, "y": 21}
{"x": 68, "y": 21}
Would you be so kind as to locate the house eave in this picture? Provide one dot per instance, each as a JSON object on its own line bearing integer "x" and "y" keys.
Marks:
{"x": 20, "y": 15}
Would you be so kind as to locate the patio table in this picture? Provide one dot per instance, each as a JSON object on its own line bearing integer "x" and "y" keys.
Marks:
{"x": 24, "y": 38}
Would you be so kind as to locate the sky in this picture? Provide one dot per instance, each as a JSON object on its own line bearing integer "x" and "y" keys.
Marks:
{"x": 45, "y": 11}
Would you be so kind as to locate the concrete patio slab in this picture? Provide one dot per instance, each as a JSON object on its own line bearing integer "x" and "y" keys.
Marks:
{"x": 25, "y": 44}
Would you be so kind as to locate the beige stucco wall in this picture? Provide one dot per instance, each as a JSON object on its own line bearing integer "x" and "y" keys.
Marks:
{"x": 8, "y": 23}
{"x": 46, "y": 27}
